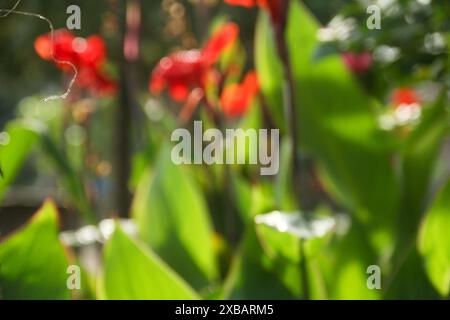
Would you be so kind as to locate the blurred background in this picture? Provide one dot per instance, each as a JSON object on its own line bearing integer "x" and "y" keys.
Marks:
{"x": 372, "y": 143}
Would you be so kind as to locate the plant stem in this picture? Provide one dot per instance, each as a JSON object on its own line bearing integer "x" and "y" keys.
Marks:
{"x": 291, "y": 119}
{"x": 123, "y": 125}
{"x": 232, "y": 224}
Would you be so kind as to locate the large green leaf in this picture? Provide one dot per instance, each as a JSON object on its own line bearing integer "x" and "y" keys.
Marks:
{"x": 32, "y": 261}
{"x": 287, "y": 238}
{"x": 172, "y": 217}
{"x": 345, "y": 266}
{"x": 410, "y": 281}
{"x": 337, "y": 124}
{"x": 434, "y": 242}
{"x": 419, "y": 157}
{"x": 13, "y": 153}
{"x": 20, "y": 141}
{"x": 132, "y": 271}
{"x": 253, "y": 274}
{"x": 270, "y": 257}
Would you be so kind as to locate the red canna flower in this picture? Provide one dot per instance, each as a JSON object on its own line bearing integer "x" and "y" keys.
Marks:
{"x": 242, "y": 3}
{"x": 62, "y": 49}
{"x": 220, "y": 41}
{"x": 358, "y": 62}
{"x": 273, "y": 6}
{"x": 185, "y": 71}
{"x": 404, "y": 96}
{"x": 97, "y": 83}
{"x": 181, "y": 72}
{"x": 236, "y": 98}
{"x": 91, "y": 51}
{"x": 87, "y": 55}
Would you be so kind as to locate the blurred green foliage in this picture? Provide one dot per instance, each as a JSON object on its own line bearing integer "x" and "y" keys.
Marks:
{"x": 203, "y": 232}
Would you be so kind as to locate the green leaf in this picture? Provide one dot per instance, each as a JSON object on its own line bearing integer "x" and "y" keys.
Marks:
{"x": 337, "y": 124}
{"x": 271, "y": 253}
{"x": 434, "y": 242}
{"x": 32, "y": 261}
{"x": 324, "y": 50}
{"x": 23, "y": 135}
{"x": 280, "y": 233}
{"x": 69, "y": 177}
{"x": 132, "y": 271}
{"x": 251, "y": 198}
{"x": 283, "y": 237}
{"x": 172, "y": 217}
{"x": 283, "y": 182}
{"x": 419, "y": 157}
{"x": 253, "y": 272}
{"x": 410, "y": 281}
{"x": 345, "y": 266}
{"x": 14, "y": 153}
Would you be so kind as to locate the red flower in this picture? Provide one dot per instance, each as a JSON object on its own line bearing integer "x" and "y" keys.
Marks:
{"x": 358, "y": 62}
{"x": 220, "y": 41}
{"x": 61, "y": 50}
{"x": 273, "y": 6}
{"x": 236, "y": 98}
{"x": 181, "y": 72}
{"x": 184, "y": 71}
{"x": 405, "y": 96}
{"x": 87, "y": 55}
{"x": 91, "y": 51}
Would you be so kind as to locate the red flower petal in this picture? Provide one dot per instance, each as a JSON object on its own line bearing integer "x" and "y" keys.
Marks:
{"x": 220, "y": 40}
{"x": 242, "y": 3}
{"x": 42, "y": 45}
{"x": 184, "y": 69}
{"x": 405, "y": 96}
{"x": 157, "y": 84}
{"x": 179, "y": 92}
{"x": 236, "y": 98}
{"x": 358, "y": 62}
{"x": 61, "y": 50}
{"x": 251, "y": 83}
{"x": 273, "y": 6}
{"x": 85, "y": 54}
{"x": 91, "y": 51}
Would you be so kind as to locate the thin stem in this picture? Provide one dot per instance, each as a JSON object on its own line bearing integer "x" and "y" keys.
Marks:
{"x": 291, "y": 119}
{"x": 231, "y": 219}
{"x": 126, "y": 102}
{"x": 290, "y": 110}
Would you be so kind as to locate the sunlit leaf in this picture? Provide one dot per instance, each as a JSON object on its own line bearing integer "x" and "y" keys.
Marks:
{"x": 173, "y": 219}
{"x": 283, "y": 183}
{"x": 251, "y": 198}
{"x": 345, "y": 266}
{"x": 419, "y": 157}
{"x": 287, "y": 238}
{"x": 13, "y": 152}
{"x": 32, "y": 261}
{"x": 272, "y": 249}
{"x": 434, "y": 242}
{"x": 298, "y": 225}
{"x": 253, "y": 272}
{"x": 132, "y": 271}
{"x": 337, "y": 123}
{"x": 281, "y": 233}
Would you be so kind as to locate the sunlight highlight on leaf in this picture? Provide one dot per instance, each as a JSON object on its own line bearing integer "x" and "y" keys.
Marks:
{"x": 297, "y": 224}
